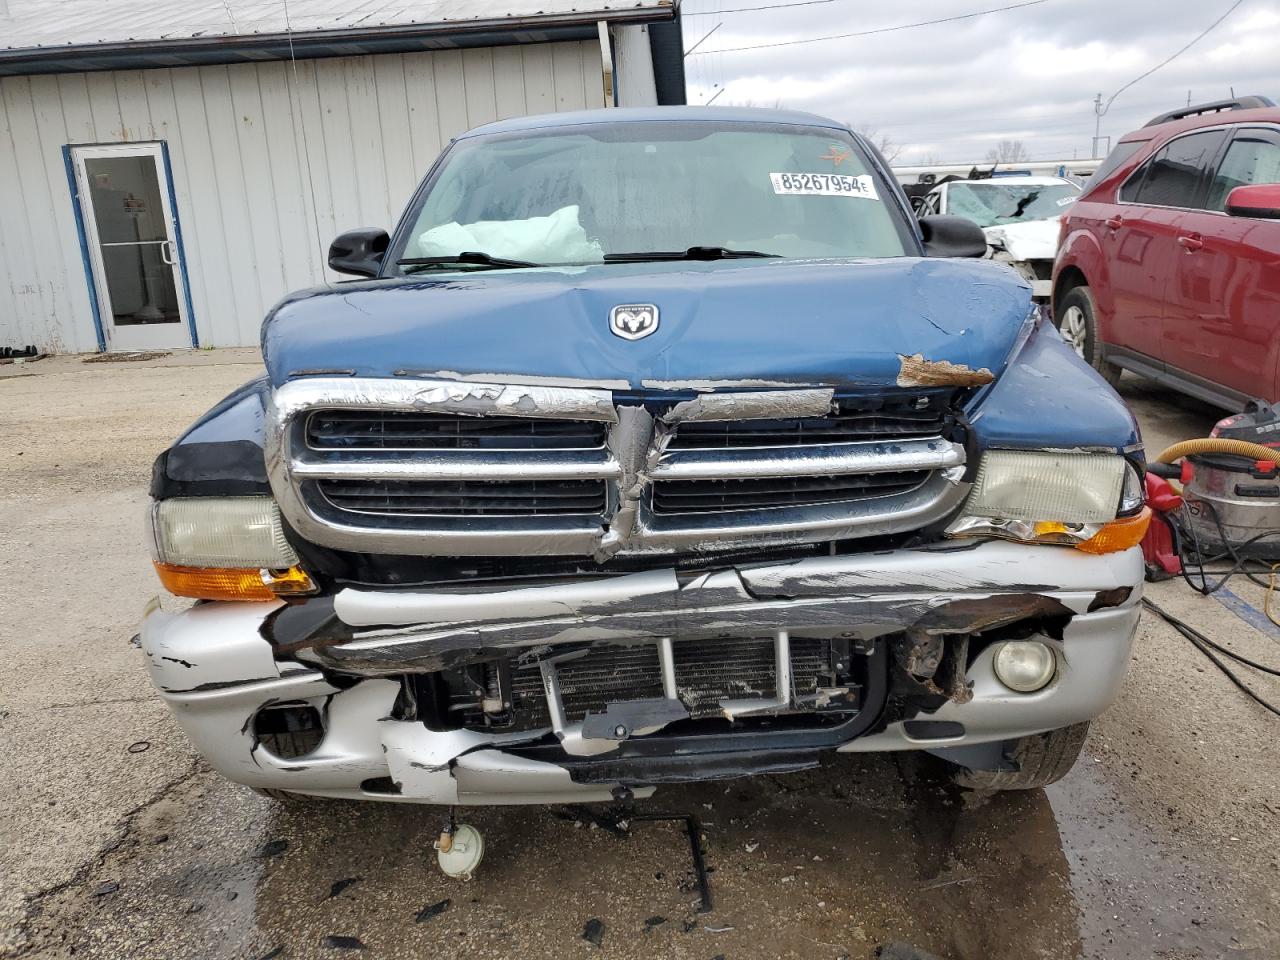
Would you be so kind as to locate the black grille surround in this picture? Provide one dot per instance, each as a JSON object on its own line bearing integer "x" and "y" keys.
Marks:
{"x": 404, "y": 430}
{"x": 466, "y": 498}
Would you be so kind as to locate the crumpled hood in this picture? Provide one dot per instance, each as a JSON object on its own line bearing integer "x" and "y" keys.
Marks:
{"x": 836, "y": 323}
{"x": 1032, "y": 240}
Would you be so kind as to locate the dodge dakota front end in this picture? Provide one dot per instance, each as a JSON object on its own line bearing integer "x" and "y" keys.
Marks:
{"x": 654, "y": 446}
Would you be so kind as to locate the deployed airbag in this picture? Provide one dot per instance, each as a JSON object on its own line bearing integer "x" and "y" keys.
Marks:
{"x": 557, "y": 238}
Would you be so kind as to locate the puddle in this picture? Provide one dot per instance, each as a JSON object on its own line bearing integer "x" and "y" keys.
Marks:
{"x": 1137, "y": 896}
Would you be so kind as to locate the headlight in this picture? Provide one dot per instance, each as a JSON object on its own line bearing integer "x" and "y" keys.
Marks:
{"x": 1066, "y": 498}
{"x": 224, "y": 548}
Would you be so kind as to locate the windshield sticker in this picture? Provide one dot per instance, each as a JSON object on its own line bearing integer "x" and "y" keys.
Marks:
{"x": 837, "y": 154}
{"x": 824, "y": 185}
{"x": 1065, "y": 200}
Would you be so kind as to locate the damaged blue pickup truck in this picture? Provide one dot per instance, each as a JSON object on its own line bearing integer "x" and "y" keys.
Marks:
{"x": 652, "y": 446}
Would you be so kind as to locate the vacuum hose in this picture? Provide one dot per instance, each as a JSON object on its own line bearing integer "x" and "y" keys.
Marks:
{"x": 1239, "y": 448}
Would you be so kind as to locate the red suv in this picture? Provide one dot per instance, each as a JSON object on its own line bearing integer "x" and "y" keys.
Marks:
{"x": 1169, "y": 263}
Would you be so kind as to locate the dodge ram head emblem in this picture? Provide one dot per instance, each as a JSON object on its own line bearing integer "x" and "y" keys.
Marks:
{"x": 633, "y": 321}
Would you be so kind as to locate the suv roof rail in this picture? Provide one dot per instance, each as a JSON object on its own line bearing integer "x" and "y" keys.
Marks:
{"x": 1235, "y": 103}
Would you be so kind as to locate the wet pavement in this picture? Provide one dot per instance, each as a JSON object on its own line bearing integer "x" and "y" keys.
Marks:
{"x": 1161, "y": 843}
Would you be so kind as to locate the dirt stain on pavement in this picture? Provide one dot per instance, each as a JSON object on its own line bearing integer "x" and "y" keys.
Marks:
{"x": 827, "y": 863}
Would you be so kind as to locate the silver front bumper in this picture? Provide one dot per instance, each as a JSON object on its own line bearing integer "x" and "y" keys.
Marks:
{"x": 215, "y": 669}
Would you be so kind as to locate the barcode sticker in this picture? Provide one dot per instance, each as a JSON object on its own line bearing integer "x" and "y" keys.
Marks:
{"x": 824, "y": 185}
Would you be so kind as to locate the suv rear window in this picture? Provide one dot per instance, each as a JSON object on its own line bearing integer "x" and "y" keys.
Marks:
{"x": 1115, "y": 158}
{"x": 1174, "y": 177}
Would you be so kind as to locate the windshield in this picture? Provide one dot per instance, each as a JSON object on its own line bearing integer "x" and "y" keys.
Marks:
{"x": 989, "y": 204}
{"x": 588, "y": 193}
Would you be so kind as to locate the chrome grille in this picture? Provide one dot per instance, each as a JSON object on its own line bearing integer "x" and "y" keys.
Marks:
{"x": 413, "y": 430}
{"x": 466, "y": 498}
{"x": 885, "y": 417}
{"x": 713, "y": 496}
{"x": 445, "y": 468}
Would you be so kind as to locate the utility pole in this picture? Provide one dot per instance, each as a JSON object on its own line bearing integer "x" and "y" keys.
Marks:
{"x": 1097, "y": 123}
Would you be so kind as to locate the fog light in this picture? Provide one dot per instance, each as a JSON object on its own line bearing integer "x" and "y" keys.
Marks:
{"x": 1025, "y": 665}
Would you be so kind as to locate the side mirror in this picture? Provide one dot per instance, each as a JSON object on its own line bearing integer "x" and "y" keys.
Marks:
{"x": 359, "y": 252}
{"x": 952, "y": 237}
{"x": 1260, "y": 200}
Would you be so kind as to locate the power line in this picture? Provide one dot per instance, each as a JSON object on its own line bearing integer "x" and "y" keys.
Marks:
{"x": 770, "y": 6}
{"x": 1198, "y": 37}
{"x": 867, "y": 33}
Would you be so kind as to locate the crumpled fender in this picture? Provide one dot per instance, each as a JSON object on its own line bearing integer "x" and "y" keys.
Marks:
{"x": 1048, "y": 398}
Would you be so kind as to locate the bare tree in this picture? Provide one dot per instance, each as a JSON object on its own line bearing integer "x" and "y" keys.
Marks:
{"x": 888, "y": 147}
{"x": 1008, "y": 151}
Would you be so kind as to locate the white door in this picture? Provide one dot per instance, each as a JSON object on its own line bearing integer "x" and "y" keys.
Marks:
{"x": 129, "y": 223}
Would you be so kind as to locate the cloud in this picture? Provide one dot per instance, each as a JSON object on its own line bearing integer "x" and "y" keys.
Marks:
{"x": 950, "y": 90}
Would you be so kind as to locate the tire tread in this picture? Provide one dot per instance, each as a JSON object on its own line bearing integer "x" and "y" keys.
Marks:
{"x": 1042, "y": 759}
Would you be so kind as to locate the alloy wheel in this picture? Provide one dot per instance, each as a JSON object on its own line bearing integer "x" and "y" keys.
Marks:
{"x": 1075, "y": 329}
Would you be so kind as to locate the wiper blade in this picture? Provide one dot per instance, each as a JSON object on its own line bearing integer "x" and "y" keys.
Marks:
{"x": 691, "y": 253}
{"x": 470, "y": 258}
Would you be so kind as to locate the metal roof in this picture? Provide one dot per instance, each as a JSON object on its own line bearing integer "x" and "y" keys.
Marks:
{"x": 39, "y": 36}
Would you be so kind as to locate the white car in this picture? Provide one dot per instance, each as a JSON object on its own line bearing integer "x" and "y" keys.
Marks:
{"x": 1019, "y": 214}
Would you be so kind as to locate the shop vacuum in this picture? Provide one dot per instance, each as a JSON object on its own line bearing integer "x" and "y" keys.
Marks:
{"x": 1229, "y": 504}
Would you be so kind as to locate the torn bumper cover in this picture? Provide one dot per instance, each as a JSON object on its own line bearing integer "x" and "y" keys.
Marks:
{"x": 923, "y": 625}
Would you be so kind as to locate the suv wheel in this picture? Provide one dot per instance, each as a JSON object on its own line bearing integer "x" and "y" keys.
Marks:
{"x": 1041, "y": 759}
{"x": 1076, "y": 321}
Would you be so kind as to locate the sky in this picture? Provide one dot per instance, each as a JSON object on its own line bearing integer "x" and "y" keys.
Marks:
{"x": 949, "y": 92}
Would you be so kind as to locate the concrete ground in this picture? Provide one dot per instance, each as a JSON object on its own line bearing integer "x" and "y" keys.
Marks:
{"x": 117, "y": 842}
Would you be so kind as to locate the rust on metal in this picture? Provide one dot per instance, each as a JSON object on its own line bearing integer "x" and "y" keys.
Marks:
{"x": 916, "y": 371}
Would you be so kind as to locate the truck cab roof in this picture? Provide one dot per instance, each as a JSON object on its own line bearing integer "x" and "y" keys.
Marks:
{"x": 548, "y": 121}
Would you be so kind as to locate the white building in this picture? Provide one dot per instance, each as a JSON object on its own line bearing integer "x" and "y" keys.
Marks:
{"x": 171, "y": 168}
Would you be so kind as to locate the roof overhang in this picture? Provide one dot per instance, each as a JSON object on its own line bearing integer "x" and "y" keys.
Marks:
{"x": 344, "y": 42}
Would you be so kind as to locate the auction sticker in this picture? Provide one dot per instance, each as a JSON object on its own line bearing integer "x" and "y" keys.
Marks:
{"x": 824, "y": 185}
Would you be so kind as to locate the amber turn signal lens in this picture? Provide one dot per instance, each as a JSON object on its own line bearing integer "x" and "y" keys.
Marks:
{"x": 1119, "y": 534}
{"x": 233, "y": 583}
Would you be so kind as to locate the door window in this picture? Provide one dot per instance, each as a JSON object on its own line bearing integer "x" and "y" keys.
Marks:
{"x": 1252, "y": 157}
{"x": 133, "y": 240}
{"x": 1175, "y": 176}
{"x": 124, "y": 198}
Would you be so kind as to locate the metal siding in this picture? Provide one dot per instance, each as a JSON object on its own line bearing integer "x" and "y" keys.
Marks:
{"x": 424, "y": 116}
{"x": 398, "y": 168}
{"x": 539, "y": 79}
{"x": 201, "y": 208}
{"x": 247, "y": 255}
{"x": 64, "y": 258}
{"x": 302, "y": 262}
{"x": 34, "y": 249}
{"x": 241, "y": 140}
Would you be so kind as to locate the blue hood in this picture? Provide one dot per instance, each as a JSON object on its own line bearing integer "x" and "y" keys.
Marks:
{"x": 838, "y": 323}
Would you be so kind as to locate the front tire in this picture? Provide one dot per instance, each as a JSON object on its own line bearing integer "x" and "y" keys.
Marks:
{"x": 1041, "y": 759}
{"x": 1076, "y": 320}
